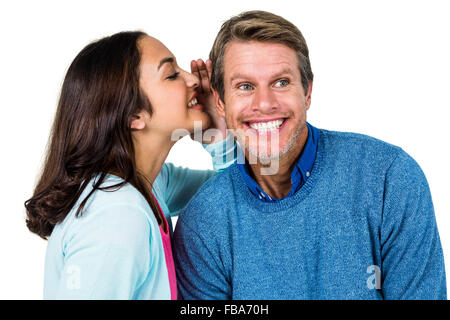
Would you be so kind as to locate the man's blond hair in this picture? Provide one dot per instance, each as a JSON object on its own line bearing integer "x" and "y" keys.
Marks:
{"x": 259, "y": 26}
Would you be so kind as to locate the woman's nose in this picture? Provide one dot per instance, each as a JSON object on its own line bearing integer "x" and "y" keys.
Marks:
{"x": 192, "y": 81}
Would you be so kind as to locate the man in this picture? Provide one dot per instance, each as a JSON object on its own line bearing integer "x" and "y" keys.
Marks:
{"x": 343, "y": 216}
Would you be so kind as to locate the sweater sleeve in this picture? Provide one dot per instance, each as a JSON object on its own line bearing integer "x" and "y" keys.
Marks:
{"x": 182, "y": 183}
{"x": 107, "y": 255}
{"x": 411, "y": 252}
{"x": 200, "y": 271}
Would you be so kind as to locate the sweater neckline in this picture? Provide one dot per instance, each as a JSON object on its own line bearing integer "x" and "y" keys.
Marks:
{"x": 293, "y": 200}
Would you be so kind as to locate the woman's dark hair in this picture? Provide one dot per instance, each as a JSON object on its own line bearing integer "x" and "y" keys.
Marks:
{"x": 91, "y": 134}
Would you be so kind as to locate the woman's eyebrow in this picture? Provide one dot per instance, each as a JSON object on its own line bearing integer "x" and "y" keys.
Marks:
{"x": 165, "y": 60}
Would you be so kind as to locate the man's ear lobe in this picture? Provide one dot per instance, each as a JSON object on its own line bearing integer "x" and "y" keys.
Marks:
{"x": 138, "y": 122}
{"x": 220, "y": 107}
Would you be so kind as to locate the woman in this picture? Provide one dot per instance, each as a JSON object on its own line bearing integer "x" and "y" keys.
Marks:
{"x": 105, "y": 195}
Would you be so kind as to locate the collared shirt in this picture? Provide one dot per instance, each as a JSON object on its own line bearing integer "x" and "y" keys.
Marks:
{"x": 365, "y": 211}
{"x": 300, "y": 173}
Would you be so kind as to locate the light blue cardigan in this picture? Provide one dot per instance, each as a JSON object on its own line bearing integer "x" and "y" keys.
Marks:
{"x": 114, "y": 249}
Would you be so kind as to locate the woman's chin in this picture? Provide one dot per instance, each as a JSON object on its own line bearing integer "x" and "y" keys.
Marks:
{"x": 200, "y": 122}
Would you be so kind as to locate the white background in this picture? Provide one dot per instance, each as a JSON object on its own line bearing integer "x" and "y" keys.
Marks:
{"x": 381, "y": 68}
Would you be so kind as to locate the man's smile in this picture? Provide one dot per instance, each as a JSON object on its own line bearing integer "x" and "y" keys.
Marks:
{"x": 265, "y": 125}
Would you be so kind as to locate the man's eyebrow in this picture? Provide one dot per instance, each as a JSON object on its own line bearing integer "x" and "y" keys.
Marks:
{"x": 238, "y": 76}
{"x": 165, "y": 60}
{"x": 286, "y": 71}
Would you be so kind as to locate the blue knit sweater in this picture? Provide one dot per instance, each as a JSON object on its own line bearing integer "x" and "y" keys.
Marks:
{"x": 361, "y": 227}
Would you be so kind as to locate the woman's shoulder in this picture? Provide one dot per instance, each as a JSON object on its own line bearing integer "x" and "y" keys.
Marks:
{"x": 113, "y": 192}
{"x": 122, "y": 207}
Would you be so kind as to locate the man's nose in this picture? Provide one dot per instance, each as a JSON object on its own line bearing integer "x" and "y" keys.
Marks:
{"x": 264, "y": 100}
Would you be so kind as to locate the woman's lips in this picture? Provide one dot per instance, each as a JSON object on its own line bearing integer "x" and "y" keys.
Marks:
{"x": 198, "y": 106}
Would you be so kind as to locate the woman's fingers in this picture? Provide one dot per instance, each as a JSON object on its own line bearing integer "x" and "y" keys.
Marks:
{"x": 194, "y": 71}
{"x": 203, "y": 71}
{"x": 204, "y": 76}
{"x": 194, "y": 68}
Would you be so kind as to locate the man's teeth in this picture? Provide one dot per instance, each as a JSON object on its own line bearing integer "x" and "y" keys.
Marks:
{"x": 266, "y": 126}
{"x": 192, "y": 103}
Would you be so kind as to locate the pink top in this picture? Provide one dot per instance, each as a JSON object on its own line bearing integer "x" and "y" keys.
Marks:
{"x": 165, "y": 235}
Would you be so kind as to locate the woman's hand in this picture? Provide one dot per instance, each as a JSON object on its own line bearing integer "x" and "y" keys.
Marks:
{"x": 206, "y": 97}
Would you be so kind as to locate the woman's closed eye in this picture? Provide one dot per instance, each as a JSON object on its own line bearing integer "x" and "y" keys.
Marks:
{"x": 173, "y": 76}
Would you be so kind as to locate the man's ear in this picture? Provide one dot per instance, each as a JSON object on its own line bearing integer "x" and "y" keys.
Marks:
{"x": 308, "y": 95}
{"x": 138, "y": 122}
{"x": 220, "y": 106}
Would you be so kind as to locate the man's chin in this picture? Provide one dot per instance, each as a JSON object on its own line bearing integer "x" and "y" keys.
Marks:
{"x": 274, "y": 150}
{"x": 263, "y": 155}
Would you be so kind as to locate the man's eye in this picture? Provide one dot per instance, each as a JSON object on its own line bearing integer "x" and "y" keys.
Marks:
{"x": 282, "y": 83}
{"x": 173, "y": 76}
{"x": 245, "y": 86}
